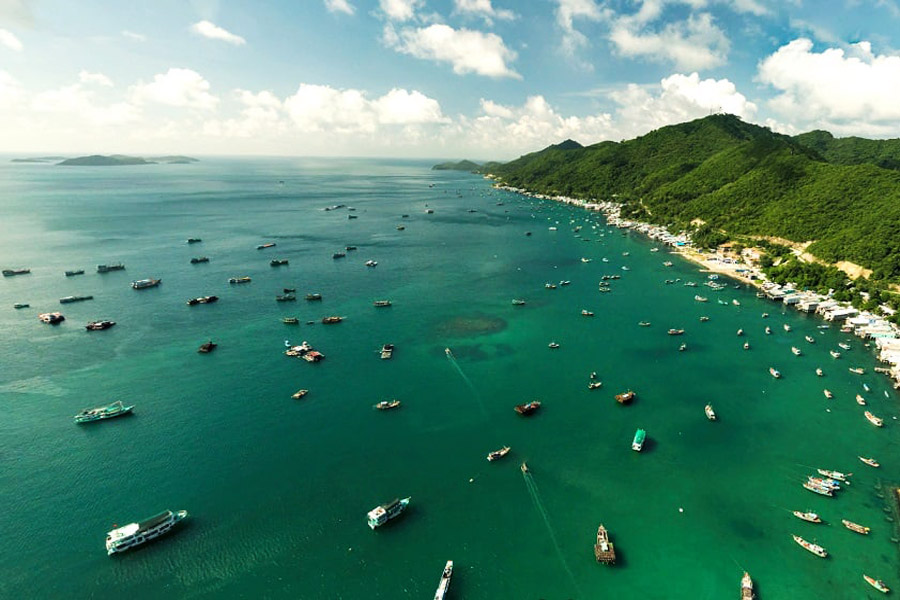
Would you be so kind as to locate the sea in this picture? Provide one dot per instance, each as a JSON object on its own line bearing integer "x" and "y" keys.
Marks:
{"x": 278, "y": 489}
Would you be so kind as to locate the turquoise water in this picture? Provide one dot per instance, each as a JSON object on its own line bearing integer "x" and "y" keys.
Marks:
{"x": 278, "y": 489}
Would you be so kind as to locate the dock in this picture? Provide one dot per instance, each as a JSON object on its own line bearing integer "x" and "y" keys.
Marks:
{"x": 604, "y": 550}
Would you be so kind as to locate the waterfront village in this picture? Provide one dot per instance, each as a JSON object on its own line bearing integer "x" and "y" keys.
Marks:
{"x": 874, "y": 328}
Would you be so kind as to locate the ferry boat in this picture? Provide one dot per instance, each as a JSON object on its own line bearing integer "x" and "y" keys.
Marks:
{"x": 604, "y": 550}
{"x": 290, "y": 321}
{"x": 819, "y": 372}
{"x": 855, "y": 527}
{"x": 207, "y": 347}
{"x": 387, "y": 351}
{"x": 518, "y": 302}
{"x": 710, "y": 414}
{"x": 857, "y": 370}
{"x": 638, "y": 443}
{"x": 108, "y": 268}
{"x": 382, "y": 303}
{"x": 625, "y": 397}
{"x": 828, "y": 394}
{"x": 313, "y": 297}
{"x": 277, "y": 262}
{"x": 199, "y": 259}
{"x": 498, "y": 454}
{"x": 135, "y": 534}
{"x": 843, "y": 345}
{"x": 774, "y": 373}
{"x": 299, "y": 394}
{"x": 746, "y": 587}
{"x": 786, "y": 327}
{"x": 387, "y": 404}
{"x": 71, "y": 299}
{"x": 99, "y": 325}
{"x": 796, "y": 351}
{"x": 869, "y": 461}
{"x": 818, "y": 489}
{"x": 444, "y": 584}
{"x": 876, "y": 421}
{"x": 836, "y": 475}
{"x": 528, "y": 408}
{"x": 74, "y": 272}
{"x": 142, "y": 284}
{"x": 675, "y": 331}
{"x": 807, "y": 516}
{"x": 285, "y": 298}
{"x": 834, "y": 353}
{"x": 202, "y": 300}
{"x": 13, "y": 272}
{"x": 116, "y": 409}
{"x": 877, "y": 584}
{"x": 810, "y": 339}
{"x": 332, "y": 319}
{"x": 239, "y": 280}
{"x": 264, "y": 246}
{"x": 53, "y": 318}
{"x": 380, "y": 515}
{"x": 194, "y": 240}
{"x": 814, "y": 548}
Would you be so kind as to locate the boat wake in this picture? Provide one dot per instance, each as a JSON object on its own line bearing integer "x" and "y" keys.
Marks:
{"x": 536, "y": 498}
{"x": 468, "y": 381}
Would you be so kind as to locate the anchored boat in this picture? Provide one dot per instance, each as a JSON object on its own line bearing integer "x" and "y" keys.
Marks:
{"x": 116, "y": 409}
{"x": 604, "y": 550}
{"x": 638, "y": 443}
{"x": 380, "y": 515}
{"x": 444, "y": 584}
{"x": 498, "y": 454}
{"x": 135, "y": 534}
{"x": 814, "y": 548}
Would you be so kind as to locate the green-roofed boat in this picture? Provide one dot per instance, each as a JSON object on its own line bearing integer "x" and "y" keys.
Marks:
{"x": 116, "y": 409}
{"x": 638, "y": 444}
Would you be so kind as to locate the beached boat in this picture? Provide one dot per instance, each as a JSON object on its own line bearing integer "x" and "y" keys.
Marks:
{"x": 828, "y": 394}
{"x": 877, "y": 584}
{"x": 818, "y": 489}
{"x": 819, "y": 372}
{"x": 604, "y": 550}
{"x": 239, "y": 280}
{"x": 387, "y": 404}
{"x": 444, "y": 584}
{"x": 814, "y": 548}
{"x": 834, "y": 353}
{"x": 857, "y": 370}
{"x": 640, "y": 436}
{"x": 747, "y": 587}
{"x": 264, "y": 246}
{"x": 332, "y": 319}
{"x": 99, "y": 325}
{"x": 381, "y": 303}
{"x": 108, "y": 268}
{"x": 807, "y": 516}
{"x": 135, "y": 534}
{"x": 869, "y": 461}
{"x": 855, "y": 527}
{"x": 498, "y": 454}
{"x": 142, "y": 284}
{"x": 299, "y": 394}
{"x": 380, "y": 515}
{"x": 71, "y": 299}
{"x": 74, "y": 272}
{"x": 14, "y": 272}
{"x": 387, "y": 351}
{"x": 528, "y": 408}
{"x": 796, "y": 351}
{"x": 202, "y": 300}
{"x": 116, "y": 409}
{"x": 207, "y": 347}
{"x": 860, "y": 400}
{"x": 625, "y": 397}
{"x": 53, "y": 318}
{"x": 774, "y": 373}
{"x": 876, "y": 421}
{"x": 675, "y": 331}
{"x": 710, "y": 413}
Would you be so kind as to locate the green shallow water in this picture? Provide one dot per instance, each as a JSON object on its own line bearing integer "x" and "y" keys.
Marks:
{"x": 278, "y": 489}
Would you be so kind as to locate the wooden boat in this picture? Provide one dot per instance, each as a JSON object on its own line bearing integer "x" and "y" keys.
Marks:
{"x": 332, "y": 319}
{"x": 625, "y": 397}
{"x": 876, "y": 421}
{"x": 855, "y": 527}
{"x": 869, "y": 461}
{"x": 387, "y": 351}
{"x": 810, "y": 517}
{"x": 814, "y": 548}
{"x": 747, "y": 587}
{"x": 675, "y": 331}
{"x": 498, "y": 454}
{"x": 528, "y": 408}
{"x": 387, "y": 405}
{"x": 877, "y": 584}
{"x": 299, "y": 394}
{"x": 604, "y": 550}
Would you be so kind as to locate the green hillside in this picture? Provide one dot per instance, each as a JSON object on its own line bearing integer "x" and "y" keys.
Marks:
{"x": 742, "y": 179}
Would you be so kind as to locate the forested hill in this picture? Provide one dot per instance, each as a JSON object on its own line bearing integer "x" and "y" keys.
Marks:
{"x": 742, "y": 179}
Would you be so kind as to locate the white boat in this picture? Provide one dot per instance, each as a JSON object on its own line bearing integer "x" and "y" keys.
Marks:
{"x": 814, "y": 548}
{"x": 844, "y": 345}
{"x": 819, "y": 372}
{"x": 828, "y": 394}
{"x": 876, "y": 421}
{"x": 810, "y": 339}
{"x": 860, "y": 400}
{"x": 796, "y": 351}
{"x": 786, "y": 327}
{"x": 380, "y": 515}
{"x": 444, "y": 584}
{"x": 135, "y": 534}
{"x": 735, "y": 302}
{"x": 710, "y": 414}
{"x": 834, "y": 353}
{"x": 740, "y": 332}
{"x": 774, "y": 373}
{"x": 768, "y": 330}
{"x": 700, "y": 298}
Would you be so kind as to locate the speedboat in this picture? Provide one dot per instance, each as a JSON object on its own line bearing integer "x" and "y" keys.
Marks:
{"x": 869, "y": 461}
{"x": 553, "y": 345}
{"x": 810, "y": 339}
{"x": 498, "y": 454}
{"x": 710, "y": 414}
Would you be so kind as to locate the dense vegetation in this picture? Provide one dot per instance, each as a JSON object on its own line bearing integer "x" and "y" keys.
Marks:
{"x": 463, "y": 165}
{"x": 117, "y": 160}
{"x": 739, "y": 178}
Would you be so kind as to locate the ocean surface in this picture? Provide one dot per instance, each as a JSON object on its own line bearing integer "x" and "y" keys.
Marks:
{"x": 278, "y": 489}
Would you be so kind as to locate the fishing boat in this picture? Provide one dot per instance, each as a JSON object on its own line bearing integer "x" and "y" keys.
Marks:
{"x": 380, "y": 515}
{"x": 604, "y": 550}
{"x": 796, "y": 351}
{"x": 498, "y": 454}
{"x": 625, "y": 397}
{"x": 207, "y": 347}
{"x": 675, "y": 331}
{"x": 135, "y": 534}
{"x": 746, "y": 587}
{"x": 768, "y": 330}
{"x": 528, "y": 408}
{"x": 277, "y": 262}
{"x": 587, "y": 313}
{"x": 855, "y": 527}
{"x": 199, "y": 259}
{"x": 142, "y": 284}
{"x": 860, "y": 400}
{"x": 444, "y": 584}
{"x": 710, "y": 413}
{"x": 553, "y": 345}
{"x": 877, "y": 584}
{"x": 239, "y": 280}
{"x": 116, "y": 409}
{"x": 381, "y": 303}
{"x": 774, "y": 373}
{"x": 810, "y": 339}
{"x": 99, "y": 325}
{"x": 869, "y": 461}
{"x": 14, "y": 272}
{"x": 857, "y": 370}
{"x": 387, "y": 351}
{"x": 836, "y": 475}
{"x": 21, "y": 305}
{"x": 285, "y": 298}
{"x": 644, "y": 323}
{"x": 814, "y": 548}
{"x": 876, "y": 421}
{"x": 202, "y": 300}
{"x": 807, "y": 516}
{"x": 332, "y": 319}
{"x": 828, "y": 394}
{"x": 819, "y": 372}
{"x": 313, "y": 297}
{"x": 290, "y": 321}
{"x": 818, "y": 489}
{"x": 786, "y": 327}
{"x": 834, "y": 353}
{"x": 387, "y": 404}
{"x": 53, "y": 318}
{"x": 108, "y": 268}
{"x": 264, "y": 246}
{"x": 518, "y": 302}
{"x": 299, "y": 394}
{"x": 74, "y": 272}
{"x": 844, "y": 345}
{"x": 637, "y": 444}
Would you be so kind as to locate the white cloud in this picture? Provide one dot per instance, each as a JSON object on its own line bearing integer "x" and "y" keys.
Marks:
{"x": 17, "y": 11}
{"x": 10, "y": 90}
{"x": 566, "y": 13}
{"x": 214, "y": 32}
{"x": 467, "y": 50}
{"x": 400, "y": 10}
{"x": 844, "y": 90}
{"x": 749, "y": 6}
{"x": 97, "y": 78}
{"x": 342, "y": 6}
{"x": 137, "y": 37}
{"x": 484, "y": 9}
{"x": 10, "y": 41}
{"x": 77, "y": 103}
{"x": 262, "y": 114}
{"x": 176, "y": 87}
{"x": 693, "y": 44}
{"x": 492, "y": 109}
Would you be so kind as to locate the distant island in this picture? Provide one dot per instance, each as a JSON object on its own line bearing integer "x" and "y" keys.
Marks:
{"x": 463, "y": 165}
{"x": 39, "y": 159}
{"x": 117, "y": 160}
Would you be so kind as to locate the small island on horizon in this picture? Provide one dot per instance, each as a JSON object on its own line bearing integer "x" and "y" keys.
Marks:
{"x": 112, "y": 160}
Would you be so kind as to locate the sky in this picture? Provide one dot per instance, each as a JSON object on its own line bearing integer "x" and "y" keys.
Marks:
{"x": 479, "y": 79}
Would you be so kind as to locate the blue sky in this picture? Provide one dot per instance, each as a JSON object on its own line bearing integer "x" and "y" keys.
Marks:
{"x": 486, "y": 79}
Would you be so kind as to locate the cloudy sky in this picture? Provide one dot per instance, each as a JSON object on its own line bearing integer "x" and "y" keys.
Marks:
{"x": 484, "y": 79}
